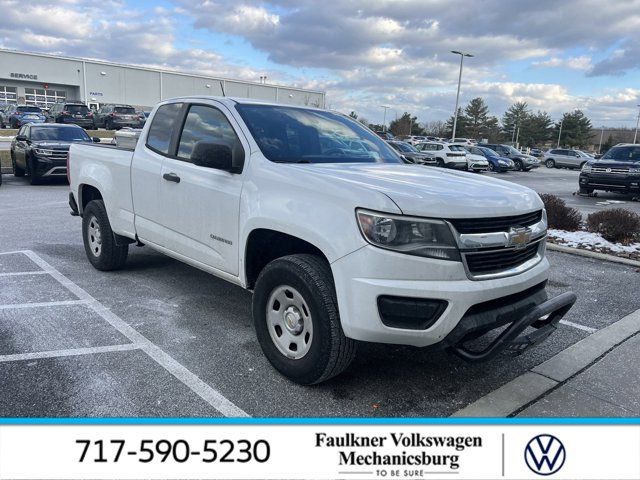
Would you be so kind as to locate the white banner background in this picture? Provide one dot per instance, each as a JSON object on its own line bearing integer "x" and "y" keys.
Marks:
{"x": 51, "y": 452}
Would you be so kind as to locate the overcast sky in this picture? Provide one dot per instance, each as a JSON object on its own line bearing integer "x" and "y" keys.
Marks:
{"x": 556, "y": 55}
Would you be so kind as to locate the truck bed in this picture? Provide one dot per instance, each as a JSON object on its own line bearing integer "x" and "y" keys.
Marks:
{"x": 108, "y": 169}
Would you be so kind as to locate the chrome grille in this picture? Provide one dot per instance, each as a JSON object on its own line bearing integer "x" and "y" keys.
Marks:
{"x": 55, "y": 154}
{"x": 619, "y": 171}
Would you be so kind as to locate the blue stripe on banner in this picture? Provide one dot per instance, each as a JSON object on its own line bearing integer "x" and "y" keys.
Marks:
{"x": 318, "y": 421}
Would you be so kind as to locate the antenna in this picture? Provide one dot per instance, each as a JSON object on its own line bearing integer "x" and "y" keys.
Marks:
{"x": 222, "y": 88}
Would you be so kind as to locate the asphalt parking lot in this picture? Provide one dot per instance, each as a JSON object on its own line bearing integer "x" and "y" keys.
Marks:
{"x": 160, "y": 338}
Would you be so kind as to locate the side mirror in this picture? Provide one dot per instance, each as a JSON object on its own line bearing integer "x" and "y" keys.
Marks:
{"x": 95, "y": 140}
{"x": 213, "y": 155}
{"x": 21, "y": 138}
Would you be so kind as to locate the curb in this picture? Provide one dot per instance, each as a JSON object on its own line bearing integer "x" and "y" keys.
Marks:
{"x": 537, "y": 382}
{"x": 597, "y": 255}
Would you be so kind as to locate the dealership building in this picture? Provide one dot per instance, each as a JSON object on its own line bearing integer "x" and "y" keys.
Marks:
{"x": 40, "y": 79}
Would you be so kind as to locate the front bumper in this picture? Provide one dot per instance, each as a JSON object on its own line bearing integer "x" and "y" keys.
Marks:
{"x": 48, "y": 167}
{"x": 369, "y": 273}
{"x": 610, "y": 182}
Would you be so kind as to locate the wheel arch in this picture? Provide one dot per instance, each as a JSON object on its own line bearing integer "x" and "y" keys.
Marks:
{"x": 264, "y": 245}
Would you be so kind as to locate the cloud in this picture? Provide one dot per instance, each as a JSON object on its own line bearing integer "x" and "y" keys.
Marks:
{"x": 582, "y": 62}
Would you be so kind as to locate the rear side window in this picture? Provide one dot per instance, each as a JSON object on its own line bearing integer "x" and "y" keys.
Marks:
{"x": 28, "y": 109}
{"x": 208, "y": 124}
{"x": 161, "y": 129}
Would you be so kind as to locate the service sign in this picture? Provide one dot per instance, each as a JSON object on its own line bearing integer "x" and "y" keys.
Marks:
{"x": 319, "y": 451}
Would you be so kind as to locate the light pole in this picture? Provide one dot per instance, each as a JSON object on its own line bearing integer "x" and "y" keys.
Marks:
{"x": 601, "y": 135}
{"x": 559, "y": 133}
{"x": 384, "y": 118}
{"x": 455, "y": 113}
{"x": 635, "y": 136}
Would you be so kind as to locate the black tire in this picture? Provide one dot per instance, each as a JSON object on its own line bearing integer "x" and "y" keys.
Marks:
{"x": 550, "y": 163}
{"x": 518, "y": 164}
{"x": 33, "y": 176}
{"x": 329, "y": 351}
{"x": 586, "y": 191}
{"x": 109, "y": 255}
{"x": 17, "y": 171}
{"x": 439, "y": 163}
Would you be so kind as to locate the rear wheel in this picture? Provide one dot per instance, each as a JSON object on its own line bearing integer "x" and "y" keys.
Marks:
{"x": 295, "y": 313}
{"x": 550, "y": 163}
{"x": 99, "y": 242}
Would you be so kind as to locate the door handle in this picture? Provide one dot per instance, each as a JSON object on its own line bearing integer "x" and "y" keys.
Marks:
{"x": 171, "y": 177}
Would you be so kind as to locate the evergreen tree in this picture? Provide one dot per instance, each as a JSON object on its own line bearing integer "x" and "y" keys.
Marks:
{"x": 461, "y": 125}
{"x": 576, "y": 130}
{"x": 516, "y": 115}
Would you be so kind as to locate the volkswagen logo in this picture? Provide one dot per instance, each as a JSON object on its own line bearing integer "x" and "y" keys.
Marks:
{"x": 545, "y": 454}
{"x": 608, "y": 170}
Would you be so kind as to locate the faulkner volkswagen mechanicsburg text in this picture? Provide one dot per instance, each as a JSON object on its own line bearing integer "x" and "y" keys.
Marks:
{"x": 338, "y": 239}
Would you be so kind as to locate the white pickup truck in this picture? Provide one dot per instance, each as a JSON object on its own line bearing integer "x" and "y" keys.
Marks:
{"x": 339, "y": 240}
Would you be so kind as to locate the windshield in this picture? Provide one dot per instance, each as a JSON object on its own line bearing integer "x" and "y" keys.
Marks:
{"x": 512, "y": 150}
{"x": 487, "y": 152}
{"x": 63, "y": 134}
{"x": 405, "y": 147}
{"x": 77, "y": 109}
{"x": 125, "y": 110}
{"x": 28, "y": 109}
{"x": 623, "y": 154}
{"x": 298, "y": 135}
{"x": 457, "y": 148}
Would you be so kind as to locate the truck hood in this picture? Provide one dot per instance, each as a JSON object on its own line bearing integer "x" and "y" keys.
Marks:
{"x": 434, "y": 192}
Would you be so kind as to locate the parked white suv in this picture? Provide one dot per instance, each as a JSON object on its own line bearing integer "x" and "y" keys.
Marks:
{"x": 337, "y": 238}
{"x": 446, "y": 155}
{"x": 475, "y": 162}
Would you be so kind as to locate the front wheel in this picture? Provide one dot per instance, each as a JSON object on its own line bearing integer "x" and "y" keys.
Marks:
{"x": 439, "y": 163}
{"x": 518, "y": 164}
{"x": 586, "y": 191}
{"x": 295, "y": 313}
{"x": 17, "y": 171}
{"x": 99, "y": 242}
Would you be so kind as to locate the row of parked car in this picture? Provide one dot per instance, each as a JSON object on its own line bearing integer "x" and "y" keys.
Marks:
{"x": 109, "y": 116}
{"x": 465, "y": 155}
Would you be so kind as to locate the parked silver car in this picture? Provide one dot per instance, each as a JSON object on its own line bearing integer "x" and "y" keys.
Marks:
{"x": 562, "y": 157}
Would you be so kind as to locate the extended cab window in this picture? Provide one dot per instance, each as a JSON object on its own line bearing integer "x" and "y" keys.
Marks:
{"x": 208, "y": 124}
{"x": 161, "y": 129}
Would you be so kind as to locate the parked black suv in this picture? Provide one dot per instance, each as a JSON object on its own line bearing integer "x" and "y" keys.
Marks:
{"x": 41, "y": 150}
{"x": 617, "y": 171}
{"x": 114, "y": 117}
{"x": 71, "y": 112}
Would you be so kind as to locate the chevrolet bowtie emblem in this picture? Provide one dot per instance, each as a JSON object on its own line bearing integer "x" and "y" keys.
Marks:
{"x": 519, "y": 237}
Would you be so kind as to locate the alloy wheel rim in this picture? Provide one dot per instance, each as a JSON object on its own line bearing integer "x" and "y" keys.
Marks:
{"x": 289, "y": 322}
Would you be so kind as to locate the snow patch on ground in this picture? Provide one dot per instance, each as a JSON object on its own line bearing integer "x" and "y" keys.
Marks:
{"x": 590, "y": 241}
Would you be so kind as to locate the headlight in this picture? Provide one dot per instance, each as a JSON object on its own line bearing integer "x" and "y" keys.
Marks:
{"x": 413, "y": 236}
{"x": 586, "y": 168}
{"x": 502, "y": 162}
{"x": 43, "y": 152}
{"x": 631, "y": 170}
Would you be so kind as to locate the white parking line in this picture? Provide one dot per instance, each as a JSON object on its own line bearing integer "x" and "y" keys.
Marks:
{"x": 578, "y": 326}
{"x": 11, "y": 306}
{"x": 68, "y": 352}
{"x": 199, "y": 387}
{"x": 17, "y": 274}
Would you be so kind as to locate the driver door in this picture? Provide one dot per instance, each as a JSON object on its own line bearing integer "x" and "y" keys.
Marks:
{"x": 201, "y": 204}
